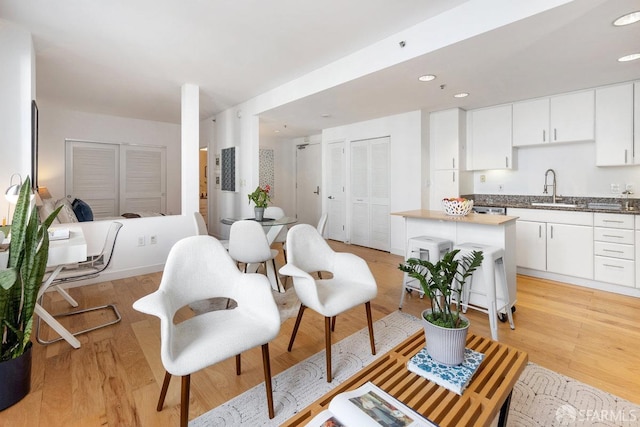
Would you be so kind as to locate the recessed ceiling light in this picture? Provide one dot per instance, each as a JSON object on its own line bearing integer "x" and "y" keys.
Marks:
{"x": 631, "y": 57}
{"x": 427, "y": 78}
{"x": 629, "y": 18}
{"x": 461, "y": 95}
{"x": 277, "y": 131}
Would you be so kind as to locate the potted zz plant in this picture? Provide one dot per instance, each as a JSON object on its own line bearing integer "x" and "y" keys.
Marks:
{"x": 260, "y": 197}
{"x": 19, "y": 285}
{"x": 443, "y": 282}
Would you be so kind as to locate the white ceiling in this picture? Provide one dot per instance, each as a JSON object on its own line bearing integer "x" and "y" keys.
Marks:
{"x": 130, "y": 58}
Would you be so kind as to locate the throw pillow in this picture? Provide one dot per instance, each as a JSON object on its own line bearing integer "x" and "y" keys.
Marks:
{"x": 66, "y": 214}
{"x": 47, "y": 208}
{"x": 82, "y": 210}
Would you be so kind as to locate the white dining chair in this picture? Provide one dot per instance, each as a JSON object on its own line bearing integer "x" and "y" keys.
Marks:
{"x": 199, "y": 268}
{"x": 351, "y": 283}
{"x": 248, "y": 244}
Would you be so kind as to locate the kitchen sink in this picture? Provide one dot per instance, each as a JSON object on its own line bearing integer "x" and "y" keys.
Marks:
{"x": 554, "y": 205}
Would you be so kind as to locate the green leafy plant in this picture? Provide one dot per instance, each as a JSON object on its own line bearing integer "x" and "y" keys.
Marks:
{"x": 20, "y": 282}
{"x": 260, "y": 196}
{"x": 443, "y": 283}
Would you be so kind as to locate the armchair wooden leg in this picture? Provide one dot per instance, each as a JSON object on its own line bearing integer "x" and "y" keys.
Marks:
{"x": 184, "y": 401}
{"x": 267, "y": 378}
{"x": 238, "y": 364}
{"x": 163, "y": 390}
{"x": 295, "y": 327}
{"x": 333, "y": 323}
{"x": 327, "y": 340}
{"x": 367, "y": 306}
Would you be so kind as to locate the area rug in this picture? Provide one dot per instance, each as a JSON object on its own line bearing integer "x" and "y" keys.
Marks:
{"x": 541, "y": 397}
{"x": 287, "y": 302}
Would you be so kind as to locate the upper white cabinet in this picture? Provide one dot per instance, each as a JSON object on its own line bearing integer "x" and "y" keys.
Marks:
{"x": 489, "y": 138}
{"x": 614, "y": 125}
{"x": 531, "y": 122}
{"x": 447, "y": 130}
{"x": 572, "y": 117}
{"x": 636, "y": 119}
{"x": 562, "y": 118}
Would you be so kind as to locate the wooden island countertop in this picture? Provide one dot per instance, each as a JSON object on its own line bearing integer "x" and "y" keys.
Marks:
{"x": 472, "y": 218}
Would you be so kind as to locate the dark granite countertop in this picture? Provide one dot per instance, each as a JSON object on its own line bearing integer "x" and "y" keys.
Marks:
{"x": 583, "y": 204}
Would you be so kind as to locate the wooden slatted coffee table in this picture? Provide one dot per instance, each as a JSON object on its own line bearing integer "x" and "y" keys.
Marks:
{"x": 488, "y": 394}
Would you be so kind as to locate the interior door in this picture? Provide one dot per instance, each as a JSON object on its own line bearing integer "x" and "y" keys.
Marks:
{"x": 335, "y": 193}
{"x": 308, "y": 191}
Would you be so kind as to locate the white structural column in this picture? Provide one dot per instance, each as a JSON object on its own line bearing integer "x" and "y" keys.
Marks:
{"x": 190, "y": 148}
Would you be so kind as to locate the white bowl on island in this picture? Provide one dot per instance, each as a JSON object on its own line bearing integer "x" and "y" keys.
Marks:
{"x": 457, "y": 206}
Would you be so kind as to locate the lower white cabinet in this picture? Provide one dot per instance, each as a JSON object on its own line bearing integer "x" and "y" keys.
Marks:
{"x": 570, "y": 250}
{"x": 614, "y": 249}
{"x": 555, "y": 242}
{"x": 531, "y": 245}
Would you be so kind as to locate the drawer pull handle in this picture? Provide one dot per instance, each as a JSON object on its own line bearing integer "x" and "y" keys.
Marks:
{"x": 611, "y": 250}
{"x": 613, "y": 220}
{"x": 611, "y": 235}
{"x": 614, "y": 266}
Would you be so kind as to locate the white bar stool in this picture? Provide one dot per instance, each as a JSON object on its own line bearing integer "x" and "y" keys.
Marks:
{"x": 427, "y": 248}
{"x": 493, "y": 261}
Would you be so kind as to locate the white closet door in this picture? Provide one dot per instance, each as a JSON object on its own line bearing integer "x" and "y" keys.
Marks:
{"x": 379, "y": 194}
{"x": 92, "y": 175}
{"x": 143, "y": 178}
{"x": 360, "y": 193}
{"x": 370, "y": 193}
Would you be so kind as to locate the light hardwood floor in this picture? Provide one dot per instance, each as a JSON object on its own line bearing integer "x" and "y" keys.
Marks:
{"x": 114, "y": 379}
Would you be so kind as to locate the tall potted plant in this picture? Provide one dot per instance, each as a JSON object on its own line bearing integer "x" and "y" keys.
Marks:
{"x": 19, "y": 286}
{"x": 443, "y": 282}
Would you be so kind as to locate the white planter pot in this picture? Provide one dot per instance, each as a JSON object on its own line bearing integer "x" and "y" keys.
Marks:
{"x": 445, "y": 345}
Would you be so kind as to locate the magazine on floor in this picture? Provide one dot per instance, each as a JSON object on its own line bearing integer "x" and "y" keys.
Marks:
{"x": 368, "y": 406}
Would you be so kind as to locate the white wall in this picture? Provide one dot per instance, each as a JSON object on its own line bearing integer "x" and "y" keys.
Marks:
{"x": 58, "y": 123}
{"x": 405, "y": 132}
{"x": 575, "y": 169}
{"x": 17, "y": 89}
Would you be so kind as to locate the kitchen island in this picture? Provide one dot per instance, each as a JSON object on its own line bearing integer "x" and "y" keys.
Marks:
{"x": 494, "y": 230}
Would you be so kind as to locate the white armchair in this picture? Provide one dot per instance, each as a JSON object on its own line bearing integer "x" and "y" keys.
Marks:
{"x": 199, "y": 268}
{"x": 351, "y": 283}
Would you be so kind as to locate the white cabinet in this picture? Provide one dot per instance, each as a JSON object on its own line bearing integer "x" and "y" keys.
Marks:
{"x": 447, "y": 130}
{"x": 370, "y": 193}
{"x": 614, "y": 125}
{"x": 636, "y": 121}
{"x": 531, "y": 245}
{"x": 445, "y": 184}
{"x": 489, "y": 138}
{"x": 561, "y": 118}
{"x": 531, "y": 122}
{"x": 558, "y": 242}
{"x": 570, "y": 250}
{"x": 637, "y": 220}
{"x": 614, "y": 249}
{"x": 572, "y": 117}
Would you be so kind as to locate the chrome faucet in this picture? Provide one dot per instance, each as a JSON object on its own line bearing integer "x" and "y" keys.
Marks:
{"x": 554, "y": 185}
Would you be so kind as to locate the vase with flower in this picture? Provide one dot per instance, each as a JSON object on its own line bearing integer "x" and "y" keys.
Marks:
{"x": 260, "y": 197}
